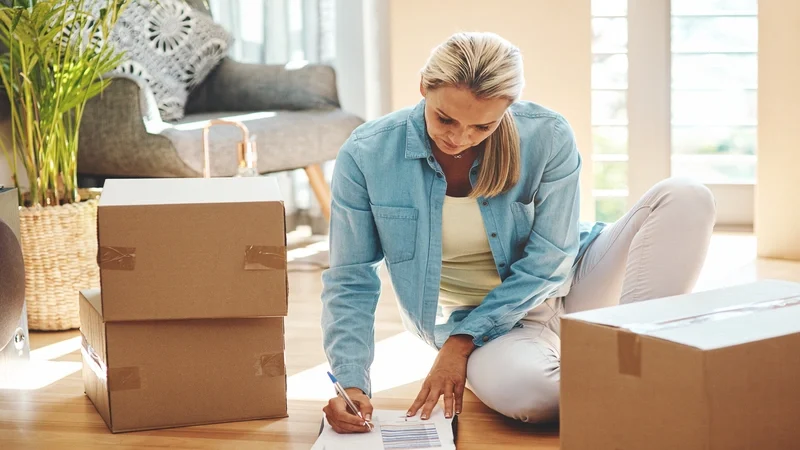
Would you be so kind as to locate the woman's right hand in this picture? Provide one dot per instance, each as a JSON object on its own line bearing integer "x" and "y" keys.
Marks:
{"x": 340, "y": 417}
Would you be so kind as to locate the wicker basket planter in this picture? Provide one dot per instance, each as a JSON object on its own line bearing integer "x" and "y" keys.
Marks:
{"x": 59, "y": 245}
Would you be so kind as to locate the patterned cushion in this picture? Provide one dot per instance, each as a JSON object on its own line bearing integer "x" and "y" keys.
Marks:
{"x": 171, "y": 46}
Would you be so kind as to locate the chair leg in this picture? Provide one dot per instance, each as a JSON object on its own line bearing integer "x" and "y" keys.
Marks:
{"x": 316, "y": 178}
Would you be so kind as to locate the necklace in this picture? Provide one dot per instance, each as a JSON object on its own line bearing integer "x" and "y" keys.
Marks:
{"x": 461, "y": 155}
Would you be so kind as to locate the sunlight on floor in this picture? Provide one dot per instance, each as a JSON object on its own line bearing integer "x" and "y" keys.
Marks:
{"x": 57, "y": 350}
{"x": 305, "y": 252}
{"x": 41, "y": 371}
{"x": 399, "y": 360}
{"x": 731, "y": 260}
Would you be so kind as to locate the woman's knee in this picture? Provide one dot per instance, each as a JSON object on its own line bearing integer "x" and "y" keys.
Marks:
{"x": 691, "y": 197}
{"x": 523, "y": 388}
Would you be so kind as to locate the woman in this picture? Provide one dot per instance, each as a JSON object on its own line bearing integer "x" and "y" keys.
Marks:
{"x": 471, "y": 198}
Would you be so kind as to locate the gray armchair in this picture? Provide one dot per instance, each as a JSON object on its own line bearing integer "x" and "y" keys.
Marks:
{"x": 294, "y": 115}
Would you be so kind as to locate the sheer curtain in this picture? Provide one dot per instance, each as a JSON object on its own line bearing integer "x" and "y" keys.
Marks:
{"x": 284, "y": 32}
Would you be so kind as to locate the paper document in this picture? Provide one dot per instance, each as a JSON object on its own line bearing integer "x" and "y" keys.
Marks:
{"x": 393, "y": 431}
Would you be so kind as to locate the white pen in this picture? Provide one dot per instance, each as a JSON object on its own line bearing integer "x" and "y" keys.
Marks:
{"x": 340, "y": 390}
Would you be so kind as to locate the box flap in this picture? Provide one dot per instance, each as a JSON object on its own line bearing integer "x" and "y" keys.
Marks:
{"x": 734, "y": 328}
{"x": 687, "y": 305}
{"x": 178, "y": 191}
{"x": 93, "y": 354}
{"x": 710, "y": 319}
{"x": 93, "y": 297}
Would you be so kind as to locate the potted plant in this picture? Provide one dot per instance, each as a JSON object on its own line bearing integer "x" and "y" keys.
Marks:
{"x": 54, "y": 56}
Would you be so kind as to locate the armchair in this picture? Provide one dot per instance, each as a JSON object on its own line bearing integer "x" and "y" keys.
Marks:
{"x": 294, "y": 115}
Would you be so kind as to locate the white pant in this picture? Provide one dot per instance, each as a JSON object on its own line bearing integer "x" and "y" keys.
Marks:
{"x": 656, "y": 250}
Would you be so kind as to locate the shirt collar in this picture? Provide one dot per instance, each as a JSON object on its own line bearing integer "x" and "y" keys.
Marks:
{"x": 417, "y": 143}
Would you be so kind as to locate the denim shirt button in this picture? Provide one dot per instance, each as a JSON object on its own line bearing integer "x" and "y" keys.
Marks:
{"x": 502, "y": 264}
{"x": 439, "y": 174}
{"x": 474, "y": 172}
{"x": 494, "y": 235}
{"x": 430, "y": 158}
{"x": 485, "y": 339}
{"x": 485, "y": 203}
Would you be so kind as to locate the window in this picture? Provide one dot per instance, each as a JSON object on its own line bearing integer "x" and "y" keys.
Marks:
{"x": 700, "y": 57}
{"x": 714, "y": 86}
{"x": 610, "y": 107}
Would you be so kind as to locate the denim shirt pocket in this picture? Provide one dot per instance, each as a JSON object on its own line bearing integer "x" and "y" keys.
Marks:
{"x": 397, "y": 229}
{"x": 524, "y": 214}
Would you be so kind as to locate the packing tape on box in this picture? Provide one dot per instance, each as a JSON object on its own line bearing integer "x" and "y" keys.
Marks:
{"x": 116, "y": 258}
{"x": 118, "y": 379}
{"x": 714, "y": 315}
{"x": 124, "y": 379}
{"x": 270, "y": 365}
{"x": 264, "y": 257}
{"x": 629, "y": 352}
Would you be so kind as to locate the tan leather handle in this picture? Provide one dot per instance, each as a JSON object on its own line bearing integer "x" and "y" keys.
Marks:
{"x": 206, "y": 150}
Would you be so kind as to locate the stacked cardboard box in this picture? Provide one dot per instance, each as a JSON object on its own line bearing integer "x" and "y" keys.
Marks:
{"x": 187, "y": 327}
{"x": 710, "y": 370}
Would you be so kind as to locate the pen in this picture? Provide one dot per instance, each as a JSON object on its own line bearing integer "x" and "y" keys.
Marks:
{"x": 340, "y": 390}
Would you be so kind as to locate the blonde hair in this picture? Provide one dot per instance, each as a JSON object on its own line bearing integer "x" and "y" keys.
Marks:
{"x": 490, "y": 67}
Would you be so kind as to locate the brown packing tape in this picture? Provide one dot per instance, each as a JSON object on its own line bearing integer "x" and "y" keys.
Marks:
{"x": 270, "y": 365}
{"x": 715, "y": 315}
{"x": 124, "y": 379}
{"x": 264, "y": 257}
{"x": 117, "y": 258}
{"x": 629, "y": 353}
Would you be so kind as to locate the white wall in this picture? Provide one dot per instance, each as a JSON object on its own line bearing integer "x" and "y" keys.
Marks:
{"x": 5, "y": 172}
{"x": 350, "y": 62}
{"x": 554, "y": 37}
{"x": 777, "y": 219}
{"x": 362, "y": 57}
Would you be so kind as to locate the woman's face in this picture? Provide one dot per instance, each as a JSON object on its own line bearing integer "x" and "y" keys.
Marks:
{"x": 457, "y": 121}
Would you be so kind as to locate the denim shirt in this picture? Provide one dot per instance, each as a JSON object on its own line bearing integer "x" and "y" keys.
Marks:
{"x": 387, "y": 196}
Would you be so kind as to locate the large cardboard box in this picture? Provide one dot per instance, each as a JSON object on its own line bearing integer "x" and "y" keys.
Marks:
{"x": 160, "y": 374}
{"x": 192, "y": 248}
{"x": 711, "y": 370}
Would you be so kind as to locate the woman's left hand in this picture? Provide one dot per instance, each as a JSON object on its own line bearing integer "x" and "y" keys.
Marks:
{"x": 447, "y": 377}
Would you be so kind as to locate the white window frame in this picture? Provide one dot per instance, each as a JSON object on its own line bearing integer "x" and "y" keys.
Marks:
{"x": 649, "y": 113}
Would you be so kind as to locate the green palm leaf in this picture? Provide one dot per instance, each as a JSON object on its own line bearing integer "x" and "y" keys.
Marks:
{"x": 52, "y": 67}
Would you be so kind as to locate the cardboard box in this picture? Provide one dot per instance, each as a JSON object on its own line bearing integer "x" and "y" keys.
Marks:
{"x": 160, "y": 374}
{"x": 192, "y": 248}
{"x": 711, "y": 370}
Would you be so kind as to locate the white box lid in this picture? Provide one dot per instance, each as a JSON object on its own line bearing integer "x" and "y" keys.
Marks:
{"x": 178, "y": 191}
{"x": 710, "y": 319}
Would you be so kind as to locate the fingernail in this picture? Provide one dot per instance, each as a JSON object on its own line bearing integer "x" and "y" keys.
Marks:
{"x": 369, "y": 417}
{"x": 447, "y": 415}
{"x": 458, "y": 412}
{"x": 424, "y": 416}
{"x": 408, "y": 414}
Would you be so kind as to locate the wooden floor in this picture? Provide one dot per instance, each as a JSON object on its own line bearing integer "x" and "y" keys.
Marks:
{"x": 59, "y": 415}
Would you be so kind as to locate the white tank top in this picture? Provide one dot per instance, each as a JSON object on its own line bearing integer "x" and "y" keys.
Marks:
{"x": 468, "y": 268}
